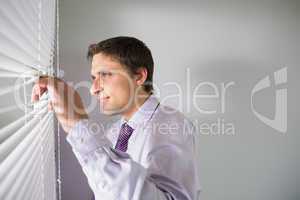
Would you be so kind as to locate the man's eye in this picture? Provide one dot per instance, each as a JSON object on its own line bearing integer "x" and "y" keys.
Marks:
{"x": 105, "y": 74}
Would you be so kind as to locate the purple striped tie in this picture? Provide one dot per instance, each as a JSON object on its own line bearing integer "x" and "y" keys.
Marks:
{"x": 123, "y": 138}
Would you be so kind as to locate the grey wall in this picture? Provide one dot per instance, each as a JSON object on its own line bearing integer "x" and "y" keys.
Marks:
{"x": 211, "y": 41}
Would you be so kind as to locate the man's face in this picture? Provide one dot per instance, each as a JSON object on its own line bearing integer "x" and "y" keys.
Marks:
{"x": 112, "y": 84}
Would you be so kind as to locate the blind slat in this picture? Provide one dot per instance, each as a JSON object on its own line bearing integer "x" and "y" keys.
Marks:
{"x": 15, "y": 87}
{"x": 10, "y": 14}
{"x": 23, "y": 175}
{"x": 13, "y": 65}
{"x": 27, "y": 184}
{"x": 10, "y": 47}
{"x": 46, "y": 25}
{"x": 22, "y": 167}
{"x": 28, "y": 38}
{"x": 19, "y": 169}
{"x": 23, "y": 147}
{"x": 34, "y": 183}
{"x": 8, "y": 109}
{"x": 10, "y": 30}
{"x": 27, "y": 19}
{"x": 50, "y": 192}
{"x": 17, "y": 17}
{"x": 15, "y": 32}
{"x": 12, "y": 127}
{"x": 6, "y": 74}
{"x": 8, "y": 145}
{"x": 37, "y": 194}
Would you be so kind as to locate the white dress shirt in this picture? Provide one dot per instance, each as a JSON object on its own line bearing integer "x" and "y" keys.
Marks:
{"x": 159, "y": 164}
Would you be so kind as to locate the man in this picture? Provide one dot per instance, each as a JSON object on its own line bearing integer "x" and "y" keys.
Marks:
{"x": 149, "y": 153}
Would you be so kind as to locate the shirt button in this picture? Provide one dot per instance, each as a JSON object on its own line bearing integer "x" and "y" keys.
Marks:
{"x": 103, "y": 184}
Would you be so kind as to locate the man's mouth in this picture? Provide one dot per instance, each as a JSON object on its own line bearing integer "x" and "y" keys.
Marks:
{"x": 103, "y": 98}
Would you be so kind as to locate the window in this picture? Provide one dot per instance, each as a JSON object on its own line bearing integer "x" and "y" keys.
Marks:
{"x": 29, "y": 48}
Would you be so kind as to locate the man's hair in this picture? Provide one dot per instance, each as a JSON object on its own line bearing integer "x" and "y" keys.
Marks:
{"x": 130, "y": 52}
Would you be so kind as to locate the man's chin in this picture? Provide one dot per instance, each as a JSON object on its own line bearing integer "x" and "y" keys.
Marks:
{"x": 106, "y": 110}
{"x": 109, "y": 112}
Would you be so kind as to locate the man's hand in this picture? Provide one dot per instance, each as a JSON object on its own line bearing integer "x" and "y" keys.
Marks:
{"x": 64, "y": 100}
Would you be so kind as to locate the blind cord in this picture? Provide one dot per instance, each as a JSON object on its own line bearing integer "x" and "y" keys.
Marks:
{"x": 59, "y": 180}
{"x": 25, "y": 100}
{"x": 41, "y": 136}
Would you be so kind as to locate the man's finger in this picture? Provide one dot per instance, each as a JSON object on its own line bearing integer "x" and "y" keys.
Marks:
{"x": 37, "y": 92}
{"x": 39, "y": 88}
{"x": 50, "y": 106}
{"x": 43, "y": 81}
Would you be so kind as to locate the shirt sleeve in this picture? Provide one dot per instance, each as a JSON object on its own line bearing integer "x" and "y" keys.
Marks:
{"x": 114, "y": 175}
{"x": 111, "y": 174}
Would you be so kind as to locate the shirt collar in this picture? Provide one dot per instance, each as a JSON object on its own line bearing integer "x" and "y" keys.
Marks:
{"x": 143, "y": 114}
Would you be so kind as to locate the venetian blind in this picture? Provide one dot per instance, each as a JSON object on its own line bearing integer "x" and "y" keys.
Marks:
{"x": 28, "y": 41}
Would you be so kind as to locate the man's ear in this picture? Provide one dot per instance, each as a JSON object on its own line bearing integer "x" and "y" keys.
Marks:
{"x": 141, "y": 75}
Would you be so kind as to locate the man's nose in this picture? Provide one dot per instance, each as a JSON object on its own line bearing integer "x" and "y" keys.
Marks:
{"x": 96, "y": 87}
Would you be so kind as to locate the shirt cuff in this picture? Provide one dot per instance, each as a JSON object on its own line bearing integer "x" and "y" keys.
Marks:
{"x": 84, "y": 140}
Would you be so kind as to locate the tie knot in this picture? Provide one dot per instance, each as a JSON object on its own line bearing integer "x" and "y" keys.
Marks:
{"x": 124, "y": 136}
{"x": 126, "y": 129}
